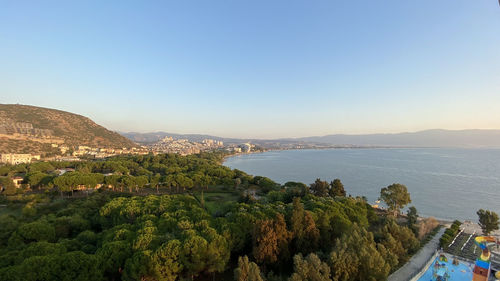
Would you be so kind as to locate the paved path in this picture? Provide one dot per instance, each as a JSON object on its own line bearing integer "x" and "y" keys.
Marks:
{"x": 415, "y": 264}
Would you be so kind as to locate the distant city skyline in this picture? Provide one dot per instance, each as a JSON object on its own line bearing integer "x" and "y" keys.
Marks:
{"x": 257, "y": 69}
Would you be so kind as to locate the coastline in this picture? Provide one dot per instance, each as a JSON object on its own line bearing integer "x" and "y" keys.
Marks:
{"x": 245, "y": 153}
{"x": 308, "y": 148}
{"x": 442, "y": 221}
{"x": 343, "y": 147}
{"x": 440, "y": 179}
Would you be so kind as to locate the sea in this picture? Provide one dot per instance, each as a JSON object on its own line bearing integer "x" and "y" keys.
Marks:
{"x": 446, "y": 183}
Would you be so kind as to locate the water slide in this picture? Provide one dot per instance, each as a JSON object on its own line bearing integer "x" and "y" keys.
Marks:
{"x": 482, "y": 268}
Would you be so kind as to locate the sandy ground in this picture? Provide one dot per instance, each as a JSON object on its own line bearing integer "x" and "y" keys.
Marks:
{"x": 472, "y": 227}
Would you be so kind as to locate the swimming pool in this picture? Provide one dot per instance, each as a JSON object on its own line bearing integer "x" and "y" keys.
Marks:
{"x": 460, "y": 272}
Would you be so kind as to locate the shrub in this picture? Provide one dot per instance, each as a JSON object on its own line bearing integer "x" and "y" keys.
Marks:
{"x": 449, "y": 234}
{"x": 426, "y": 226}
{"x": 37, "y": 231}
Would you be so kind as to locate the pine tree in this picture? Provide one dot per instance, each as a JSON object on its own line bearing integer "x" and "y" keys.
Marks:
{"x": 247, "y": 271}
{"x": 271, "y": 239}
{"x": 320, "y": 188}
{"x": 202, "y": 200}
{"x": 304, "y": 230}
{"x": 309, "y": 269}
{"x": 337, "y": 188}
{"x": 488, "y": 221}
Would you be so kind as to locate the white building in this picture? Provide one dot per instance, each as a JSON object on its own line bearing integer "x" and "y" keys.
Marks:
{"x": 246, "y": 147}
{"x": 14, "y": 159}
{"x": 17, "y": 181}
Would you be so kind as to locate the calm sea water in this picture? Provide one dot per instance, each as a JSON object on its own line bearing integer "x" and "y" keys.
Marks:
{"x": 444, "y": 183}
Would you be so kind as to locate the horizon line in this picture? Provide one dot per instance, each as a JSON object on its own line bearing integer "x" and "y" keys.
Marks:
{"x": 311, "y": 136}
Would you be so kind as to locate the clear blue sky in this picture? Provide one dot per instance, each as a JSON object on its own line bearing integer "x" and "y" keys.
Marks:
{"x": 257, "y": 68}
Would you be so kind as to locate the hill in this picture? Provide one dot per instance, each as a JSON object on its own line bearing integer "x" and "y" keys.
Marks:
{"x": 29, "y": 129}
{"x": 428, "y": 138}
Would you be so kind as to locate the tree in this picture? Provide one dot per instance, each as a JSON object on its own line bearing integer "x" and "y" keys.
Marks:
{"x": 170, "y": 182}
{"x": 266, "y": 184}
{"x": 297, "y": 219}
{"x": 137, "y": 267}
{"x": 356, "y": 257}
{"x": 271, "y": 239}
{"x": 41, "y": 167}
{"x": 154, "y": 181}
{"x": 237, "y": 182}
{"x": 7, "y": 186}
{"x": 112, "y": 180}
{"x": 247, "y": 271}
{"x": 283, "y": 237}
{"x": 320, "y": 188}
{"x": 488, "y": 221}
{"x": 140, "y": 182}
{"x": 399, "y": 240}
{"x": 311, "y": 234}
{"x": 184, "y": 181}
{"x": 265, "y": 249}
{"x": 9, "y": 225}
{"x": 112, "y": 257}
{"x": 128, "y": 181}
{"x": 77, "y": 266}
{"x": 37, "y": 231}
{"x": 201, "y": 255}
{"x": 337, "y": 188}
{"x": 34, "y": 179}
{"x": 166, "y": 265}
{"x": 412, "y": 216}
{"x": 304, "y": 230}
{"x": 309, "y": 269}
{"x": 202, "y": 200}
{"x": 396, "y": 196}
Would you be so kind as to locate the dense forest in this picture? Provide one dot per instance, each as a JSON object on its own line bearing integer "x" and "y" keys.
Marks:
{"x": 170, "y": 217}
{"x": 135, "y": 173}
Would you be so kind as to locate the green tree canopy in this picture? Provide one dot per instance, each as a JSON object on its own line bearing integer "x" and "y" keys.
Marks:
{"x": 309, "y": 269}
{"x": 488, "y": 221}
{"x": 396, "y": 196}
{"x": 320, "y": 188}
{"x": 356, "y": 257}
{"x": 247, "y": 271}
{"x": 337, "y": 188}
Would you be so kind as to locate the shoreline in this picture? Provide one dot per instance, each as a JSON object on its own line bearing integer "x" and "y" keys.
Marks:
{"x": 432, "y": 209}
{"x": 442, "y": 221}
{"x": 351, "y": 147}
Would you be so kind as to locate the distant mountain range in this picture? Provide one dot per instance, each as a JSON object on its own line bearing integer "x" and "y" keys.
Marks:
{"x": 31, "y": 129}
{"x": 428, "y": 138}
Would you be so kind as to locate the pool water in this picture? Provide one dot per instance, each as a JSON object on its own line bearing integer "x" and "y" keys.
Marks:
{"x": 460, "y": 272}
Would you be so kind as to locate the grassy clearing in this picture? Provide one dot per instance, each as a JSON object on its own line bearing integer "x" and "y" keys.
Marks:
{"x": 12, "y": 209}
{"x": 215, "y": 200}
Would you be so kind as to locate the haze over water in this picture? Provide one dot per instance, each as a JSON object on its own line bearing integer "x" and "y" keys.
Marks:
{"x": 445, "y": 183}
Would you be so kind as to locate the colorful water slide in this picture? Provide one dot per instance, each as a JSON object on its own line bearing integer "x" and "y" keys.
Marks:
{"x": 482, "y": 268}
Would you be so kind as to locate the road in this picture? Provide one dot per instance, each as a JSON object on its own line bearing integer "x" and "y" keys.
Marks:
{"x": 417, "y": 262}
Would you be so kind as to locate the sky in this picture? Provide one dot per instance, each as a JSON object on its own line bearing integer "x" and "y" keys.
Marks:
{"x": 260, "y": 69}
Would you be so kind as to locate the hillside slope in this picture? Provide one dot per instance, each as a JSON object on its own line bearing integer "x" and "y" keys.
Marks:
{"x": 428, "y": 138}
{"x": 25, "y": 128}
{"x": 157, "y": 136}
